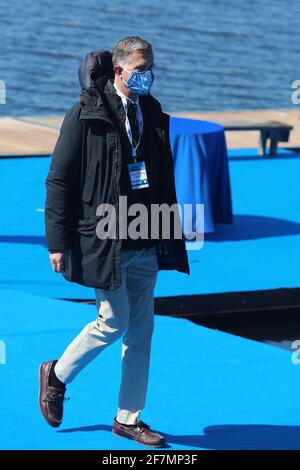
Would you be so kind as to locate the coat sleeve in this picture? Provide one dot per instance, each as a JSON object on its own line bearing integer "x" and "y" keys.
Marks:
{"x": 62, "y": 180}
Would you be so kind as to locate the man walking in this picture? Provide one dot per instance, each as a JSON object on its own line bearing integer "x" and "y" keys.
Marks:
{"x": 113, "y": 145}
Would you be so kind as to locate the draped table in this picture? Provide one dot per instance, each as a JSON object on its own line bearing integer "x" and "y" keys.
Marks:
{"x": 201, "y": 171}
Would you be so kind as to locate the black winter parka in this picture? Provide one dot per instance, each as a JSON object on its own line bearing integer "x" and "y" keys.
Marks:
{"x": 85, "y": 172}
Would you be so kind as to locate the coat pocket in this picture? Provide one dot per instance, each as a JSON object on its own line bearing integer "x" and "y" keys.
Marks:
{"x": 88, "y": 262}
{"x": 90, "y": 180}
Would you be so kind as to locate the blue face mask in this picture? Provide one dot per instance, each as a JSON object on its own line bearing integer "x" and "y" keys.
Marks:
{"x": 140, "y": 82}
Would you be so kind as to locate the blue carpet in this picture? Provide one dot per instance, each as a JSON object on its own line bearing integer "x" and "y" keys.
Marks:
{"x": 255, "y": 152}
{"x": 260, "y": 250}
{"x": 207, "y": 389}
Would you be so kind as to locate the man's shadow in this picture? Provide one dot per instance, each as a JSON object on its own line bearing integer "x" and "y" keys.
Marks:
{"x": 226, "y": 437}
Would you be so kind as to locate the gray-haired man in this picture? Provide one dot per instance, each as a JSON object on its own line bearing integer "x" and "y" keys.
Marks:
{"x": 113, "y": 143}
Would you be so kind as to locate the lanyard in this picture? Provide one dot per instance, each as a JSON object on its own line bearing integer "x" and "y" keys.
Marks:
{"x": 128, "y": 127}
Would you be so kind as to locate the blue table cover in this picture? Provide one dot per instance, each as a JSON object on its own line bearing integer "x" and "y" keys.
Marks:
{"x": 201, "y": 170}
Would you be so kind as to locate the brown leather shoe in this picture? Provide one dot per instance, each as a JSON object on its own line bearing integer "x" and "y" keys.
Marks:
{"x": 140, "y": 433}
{"x": 51, "y": 398}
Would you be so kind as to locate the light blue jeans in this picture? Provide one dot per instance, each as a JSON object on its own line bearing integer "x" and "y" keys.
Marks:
{"x": 126, "y": 312}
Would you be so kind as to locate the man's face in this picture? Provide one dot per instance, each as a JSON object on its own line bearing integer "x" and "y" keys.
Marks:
{"x": 140, "y": 61}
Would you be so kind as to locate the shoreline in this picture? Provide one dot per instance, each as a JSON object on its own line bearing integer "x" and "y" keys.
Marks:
{"x": 37, "y": 135}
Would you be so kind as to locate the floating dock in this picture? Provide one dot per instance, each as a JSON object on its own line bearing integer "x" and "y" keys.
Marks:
{"x": 37, "y": 135}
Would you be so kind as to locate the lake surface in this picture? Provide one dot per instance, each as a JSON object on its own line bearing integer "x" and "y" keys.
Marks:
{"x": 209, "y": 55}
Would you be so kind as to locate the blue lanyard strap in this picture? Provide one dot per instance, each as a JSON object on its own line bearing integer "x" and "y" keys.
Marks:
{"x": 128, "y": 127}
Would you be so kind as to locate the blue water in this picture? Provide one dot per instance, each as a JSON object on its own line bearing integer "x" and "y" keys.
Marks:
{"x": 210, "y": 54}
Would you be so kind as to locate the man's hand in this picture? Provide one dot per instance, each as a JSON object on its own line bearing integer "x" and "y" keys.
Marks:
{"x": 58, "y": 262}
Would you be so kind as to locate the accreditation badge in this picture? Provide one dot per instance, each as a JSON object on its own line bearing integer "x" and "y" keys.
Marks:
{"x": 138, "y": 175}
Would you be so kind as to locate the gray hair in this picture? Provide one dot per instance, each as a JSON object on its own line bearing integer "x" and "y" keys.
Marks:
{"x": 123, "y": 49}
